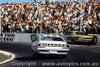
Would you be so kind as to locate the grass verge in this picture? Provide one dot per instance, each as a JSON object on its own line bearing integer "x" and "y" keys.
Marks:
{"x": 4, "y": 57}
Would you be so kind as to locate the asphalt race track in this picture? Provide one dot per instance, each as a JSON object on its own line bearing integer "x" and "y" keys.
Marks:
{"x": 79, "y": 56}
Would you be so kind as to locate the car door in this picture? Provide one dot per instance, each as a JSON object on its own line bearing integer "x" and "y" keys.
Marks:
{"x": 35, "y": 43}
{"x": 68, "y": 36}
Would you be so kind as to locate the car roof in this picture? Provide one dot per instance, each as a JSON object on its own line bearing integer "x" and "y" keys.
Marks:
{"x": 49, "y": 35}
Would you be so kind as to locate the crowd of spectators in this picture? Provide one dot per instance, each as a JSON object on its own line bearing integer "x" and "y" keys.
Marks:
{"x": 51, "y": 17}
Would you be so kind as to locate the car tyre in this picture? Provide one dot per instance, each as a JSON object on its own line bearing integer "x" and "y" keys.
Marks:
{"x": 64, "y": 56}
{"x": 34, "y": 54}
{"x": 94, "y": 39}
{"x": 73, "y": 41}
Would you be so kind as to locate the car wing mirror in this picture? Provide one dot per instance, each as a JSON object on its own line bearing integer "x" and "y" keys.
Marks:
{"x": 33, "y": 37}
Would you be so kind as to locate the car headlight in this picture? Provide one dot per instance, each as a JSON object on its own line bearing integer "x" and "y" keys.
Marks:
{"x": 40, "y": 44}
{"x": 67, "y": 45}
{"x": 62, "y": 45}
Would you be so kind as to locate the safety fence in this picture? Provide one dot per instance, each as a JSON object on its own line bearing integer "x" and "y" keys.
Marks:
{"x": 16, "y": 37}
{"x": 27, "y": 37}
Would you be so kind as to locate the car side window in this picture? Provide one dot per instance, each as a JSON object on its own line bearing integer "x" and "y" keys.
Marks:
{"x": 69, "y": 33}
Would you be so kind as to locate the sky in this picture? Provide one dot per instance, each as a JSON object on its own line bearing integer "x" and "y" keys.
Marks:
{"x": 21, "y": 1}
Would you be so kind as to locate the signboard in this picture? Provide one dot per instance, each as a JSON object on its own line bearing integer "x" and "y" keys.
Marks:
{"x": 7, "y": 37}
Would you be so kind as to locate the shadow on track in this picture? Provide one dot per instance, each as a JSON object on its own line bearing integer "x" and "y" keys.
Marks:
{"x": 89, "y": 44}
{"x": 42, "y": 57}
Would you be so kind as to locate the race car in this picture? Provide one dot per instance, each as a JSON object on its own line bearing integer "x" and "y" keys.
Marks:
{"x": 80, "y": 37}
{"x": 50, "y": 44}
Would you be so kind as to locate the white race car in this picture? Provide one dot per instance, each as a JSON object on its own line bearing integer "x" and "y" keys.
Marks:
{"x": 50, "y": 44}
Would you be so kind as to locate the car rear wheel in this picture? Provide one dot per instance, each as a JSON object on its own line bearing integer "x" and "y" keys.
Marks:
{"x": 94, "y": 39}
{"x": 73, "y": 41}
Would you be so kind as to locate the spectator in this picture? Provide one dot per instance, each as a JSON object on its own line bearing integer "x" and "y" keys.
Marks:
{"x": 54, "y": 17}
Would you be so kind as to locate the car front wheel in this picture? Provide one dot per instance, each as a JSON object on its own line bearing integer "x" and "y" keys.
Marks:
{"x": 63, "y": 56}
{"x": 34, "y": 54}
{"x": 73, "y": 41}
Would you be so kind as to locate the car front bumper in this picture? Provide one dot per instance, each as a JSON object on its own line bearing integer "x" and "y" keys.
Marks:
{"x": 53, "y": 51}
{"x": 84, "y": 40}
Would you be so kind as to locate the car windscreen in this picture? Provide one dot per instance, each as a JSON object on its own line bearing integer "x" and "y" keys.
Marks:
{"x": 81, "y": 33}
{"x": 51, "y": 39}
